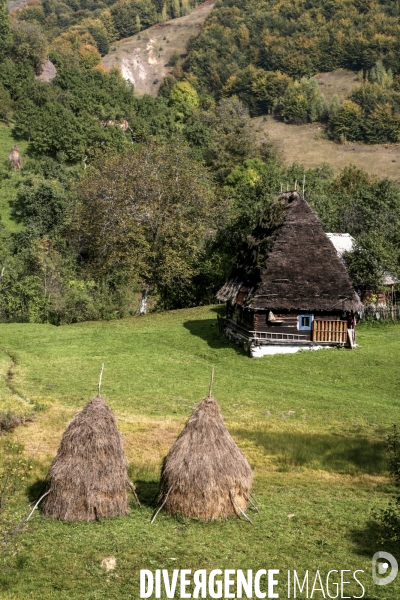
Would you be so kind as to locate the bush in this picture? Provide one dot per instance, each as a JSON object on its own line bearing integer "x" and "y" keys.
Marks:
{"x": 173, "y": 59}
{"x": 13, "y": 471}
{"x": 302, "y": 102}
{"x": 10, "y": 420}
{"x": 29, "y": 44}
{"x": 347, "y": 123}
{"x": 6, "y": 104}
{"x": 389, "y": 518}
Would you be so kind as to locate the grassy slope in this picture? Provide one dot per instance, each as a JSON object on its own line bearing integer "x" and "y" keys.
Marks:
{"x": 324, "y": 463}
{"x": 8, "y": 187}
{"x": 144, "y": 61}
{"x": 309, "y": 146}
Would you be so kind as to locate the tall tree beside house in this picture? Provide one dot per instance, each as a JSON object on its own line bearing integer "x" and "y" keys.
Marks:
{"x": 146, "y": 215}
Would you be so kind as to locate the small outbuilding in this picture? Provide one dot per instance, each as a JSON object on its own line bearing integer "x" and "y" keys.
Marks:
{"x": 204, "y": 475}
{"x": 289, "y": 289}
{"x": 387, "y": 294}
{"x": 88, "y": 478}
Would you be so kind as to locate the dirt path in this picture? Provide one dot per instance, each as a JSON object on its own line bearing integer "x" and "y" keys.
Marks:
{"x": 144, "y": 61}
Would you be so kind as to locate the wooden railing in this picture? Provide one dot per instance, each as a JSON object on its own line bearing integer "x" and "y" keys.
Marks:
{"x": 260, "y": 335}
{"x": 325, "y": 330}
{"x": 268, "y": 335}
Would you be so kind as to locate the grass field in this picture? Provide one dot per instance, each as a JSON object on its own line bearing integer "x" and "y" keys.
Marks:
{"x": 312, "y": 426}
{"x": 8, "y": 187}
{"x": 308, "y": 145}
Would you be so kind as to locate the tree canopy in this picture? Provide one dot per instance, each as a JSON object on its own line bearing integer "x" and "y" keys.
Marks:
{"x": 148, "y": 213}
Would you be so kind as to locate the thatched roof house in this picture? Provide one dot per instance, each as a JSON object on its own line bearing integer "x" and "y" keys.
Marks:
{"x": 205, "y": 475}
{"x": 288, "y": 283}
{"x": 88, "y": 477}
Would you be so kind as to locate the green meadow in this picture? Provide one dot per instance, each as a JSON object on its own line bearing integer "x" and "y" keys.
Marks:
{"x": 312, "y": 426}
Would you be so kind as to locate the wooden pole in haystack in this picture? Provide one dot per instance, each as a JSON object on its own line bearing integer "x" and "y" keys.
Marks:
{"x": 204, "y": 475}
{"x": 101, "y": 375}
{"x": 88, "y": 478}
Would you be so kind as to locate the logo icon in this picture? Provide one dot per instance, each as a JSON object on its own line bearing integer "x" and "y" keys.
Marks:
{"x": 381, "y": 562}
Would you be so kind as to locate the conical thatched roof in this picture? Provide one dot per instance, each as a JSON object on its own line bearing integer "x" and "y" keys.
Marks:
{"x": 290, "y": 264}
{"x": 88, "y": 477}
{"x": 205, "y": 474}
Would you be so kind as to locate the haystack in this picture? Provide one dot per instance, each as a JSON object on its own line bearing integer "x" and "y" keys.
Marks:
{"x": 205, "y": 475}
{"x": 88, "y": 477}
{"x": 14, "y": 157}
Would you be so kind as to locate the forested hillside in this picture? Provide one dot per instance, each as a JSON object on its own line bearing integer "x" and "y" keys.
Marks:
{"x": 125, "y": 203}
{"x": 267, "y": 52}
{"x": 297, "y": 37}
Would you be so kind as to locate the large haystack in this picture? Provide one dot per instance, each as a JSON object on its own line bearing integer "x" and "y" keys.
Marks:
{"x": 88, "y": 478}
{"x": 205, "y": 475}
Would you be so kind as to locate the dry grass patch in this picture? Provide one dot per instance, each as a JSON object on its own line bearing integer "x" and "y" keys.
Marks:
{"x": 340, "y": 82}
{"x": 41, "y": 438}
{"x": 147, "y": 442}
{"x": 309, "y": 146}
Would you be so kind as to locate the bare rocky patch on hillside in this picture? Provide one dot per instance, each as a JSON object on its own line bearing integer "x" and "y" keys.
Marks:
{"x": 143, "y": 59}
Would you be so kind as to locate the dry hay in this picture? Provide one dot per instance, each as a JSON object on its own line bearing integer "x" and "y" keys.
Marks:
{"x": 14, "y": 157}
{"x": 205, "y": 475}
{"x": 88, "y": 477}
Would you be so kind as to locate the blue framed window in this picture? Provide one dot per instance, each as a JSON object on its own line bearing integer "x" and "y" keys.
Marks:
{"x": 305, "y": 322}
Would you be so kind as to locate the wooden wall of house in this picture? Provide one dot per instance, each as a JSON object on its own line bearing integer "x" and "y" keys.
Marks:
{"x": 289, "y": 322}
{"x": 258, "y": 321}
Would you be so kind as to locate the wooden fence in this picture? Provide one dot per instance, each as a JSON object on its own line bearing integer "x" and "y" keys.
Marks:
{"x": 386, "y": 313}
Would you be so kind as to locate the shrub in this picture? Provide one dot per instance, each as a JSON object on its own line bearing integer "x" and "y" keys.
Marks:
{"x": 13, "y": 471}
{"x": 389, "y": 518}
{"x": 10, "y": 420}
{"x": 29, "y": 44}
{"x": 173, "y": 59}
{"x": 347, "y": 123}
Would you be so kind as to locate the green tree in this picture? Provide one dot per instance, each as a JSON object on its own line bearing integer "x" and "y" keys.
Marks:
{"x": 5, "y": 34}
{"x": 379, "y": 75}
{"x": 147, "y": 214}
{"x": 382, "y": 126}
{"x": 184, "y": 98}
{"x": 230, "y": 139}
{"x": 6, "y": 104}
{"x": 41, "y": 204}
{"x": 57, "y": 129}
{"x": 334, "y": 106}
{"x": 301, "y": 102}
{"x": 347, "y": 123}
{"x": 108, "y": 22}
{"x": 176, "y": 8}
{"x": 29, "y": 44}
{"x": 125, "y": 15}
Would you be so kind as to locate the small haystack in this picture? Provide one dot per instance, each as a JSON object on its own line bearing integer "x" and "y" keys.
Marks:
{"x": 205, "y": 475}
{"x": 14, "y": 156}
{"x": 88, "y": 477}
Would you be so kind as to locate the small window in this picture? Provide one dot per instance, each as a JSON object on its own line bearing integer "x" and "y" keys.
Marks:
{"x": 305, "y": 322}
